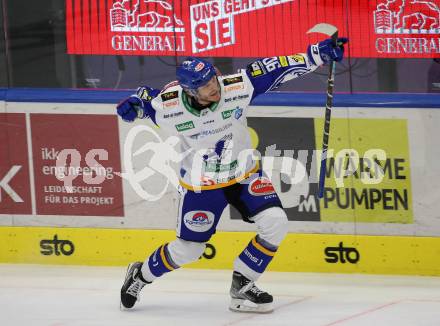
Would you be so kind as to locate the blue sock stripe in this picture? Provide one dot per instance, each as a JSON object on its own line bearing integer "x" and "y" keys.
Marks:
{"x": 255, "y": 259}
{"x": 266, "y": 244}
{"x": 156, "y": 263}
{"x": 168, "y": 257}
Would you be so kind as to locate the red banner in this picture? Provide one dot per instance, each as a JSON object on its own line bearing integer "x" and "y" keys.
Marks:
{"x": 15, "y": 184}
{"x": 250, "y": 28}
{"x": 75, "y": 160}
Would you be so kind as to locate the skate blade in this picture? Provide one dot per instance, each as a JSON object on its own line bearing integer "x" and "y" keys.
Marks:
{"x": 240, "y": 305}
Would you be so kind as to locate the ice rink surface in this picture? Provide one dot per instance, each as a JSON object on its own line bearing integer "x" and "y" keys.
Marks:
{"x": 34, "y": 295}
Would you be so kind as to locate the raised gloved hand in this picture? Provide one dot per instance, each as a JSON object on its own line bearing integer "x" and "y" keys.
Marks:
{"x": 131, "y": 108}
{"x": 137, "y": 105}
{"x": 327, "y": 50}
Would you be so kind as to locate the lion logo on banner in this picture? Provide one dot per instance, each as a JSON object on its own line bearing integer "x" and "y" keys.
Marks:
{"x": 407, "y": 16}
{"x": 144, "y": 15}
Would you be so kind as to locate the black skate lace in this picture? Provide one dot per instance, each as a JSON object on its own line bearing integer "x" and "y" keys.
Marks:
{"x": 256, "y": 290}
{"x": 136, "y": 288}
{"x": 251, "y": 287}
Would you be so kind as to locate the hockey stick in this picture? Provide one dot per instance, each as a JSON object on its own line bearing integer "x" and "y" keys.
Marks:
{"x": 331, "y": 31}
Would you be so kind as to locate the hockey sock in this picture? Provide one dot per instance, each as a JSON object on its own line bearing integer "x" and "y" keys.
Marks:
{"x": 254, "y": 259}
{"x": 158, "y": 263}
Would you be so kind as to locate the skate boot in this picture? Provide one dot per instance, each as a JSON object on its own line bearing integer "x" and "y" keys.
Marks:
{"x": 246, "y": 297}
{"x": 132, "y": 286}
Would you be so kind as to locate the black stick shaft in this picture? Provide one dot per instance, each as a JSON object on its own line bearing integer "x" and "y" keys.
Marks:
{"x": 328, "y": 113}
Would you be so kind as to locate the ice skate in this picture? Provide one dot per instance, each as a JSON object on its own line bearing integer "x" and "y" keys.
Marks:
{"x": 246, "y": 297}
{"x": 132, "y": 286}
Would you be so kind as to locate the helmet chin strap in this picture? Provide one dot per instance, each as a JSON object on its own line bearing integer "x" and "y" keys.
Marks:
{"x": 197, "y": 98}
{"x": 194, "y": 100}
{"x": 194, "y": 96}
{"x": 205, "y": 104}
{"x": 190, "y": 92}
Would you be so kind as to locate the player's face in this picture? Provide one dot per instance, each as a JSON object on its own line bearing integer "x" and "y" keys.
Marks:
{"x": 209, "y": 93}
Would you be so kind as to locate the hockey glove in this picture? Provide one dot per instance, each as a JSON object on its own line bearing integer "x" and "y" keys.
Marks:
{"x": 136, "y": 105}
{"x": 131, "y": 108}
{"x": 147, "y": 94}
{"x": 327, "y": 51}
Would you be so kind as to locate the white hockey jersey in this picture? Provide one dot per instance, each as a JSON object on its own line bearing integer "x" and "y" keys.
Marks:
{"x": 215, "y": 140}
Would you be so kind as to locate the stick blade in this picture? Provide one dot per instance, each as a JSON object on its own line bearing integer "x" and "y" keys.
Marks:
{"x": 324, "y": 28}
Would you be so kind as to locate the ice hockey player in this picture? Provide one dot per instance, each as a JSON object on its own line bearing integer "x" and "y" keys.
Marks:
{"x": 208, "y": 114}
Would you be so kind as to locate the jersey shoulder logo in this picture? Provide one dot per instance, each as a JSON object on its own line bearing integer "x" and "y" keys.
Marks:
{"x": 233, "y": 83}
{"x": 170, "y": 99}
{"x": 232, "y": 80}
{"x": 168, "y": 96}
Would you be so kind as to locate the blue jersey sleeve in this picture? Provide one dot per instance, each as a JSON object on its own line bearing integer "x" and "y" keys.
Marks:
{"x": 267, "y": 74}
{"x": 147, "y": 94}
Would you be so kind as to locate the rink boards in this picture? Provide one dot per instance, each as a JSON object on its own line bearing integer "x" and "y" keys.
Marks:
{"x": 298, "y": 252}
{"x": 390, "y": 226}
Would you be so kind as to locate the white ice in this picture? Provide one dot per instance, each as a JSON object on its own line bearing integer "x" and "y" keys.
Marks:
{"x": 33, "y": 295}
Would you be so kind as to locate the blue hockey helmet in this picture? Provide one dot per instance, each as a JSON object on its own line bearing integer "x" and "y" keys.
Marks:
{"x": 194, "y": 73}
